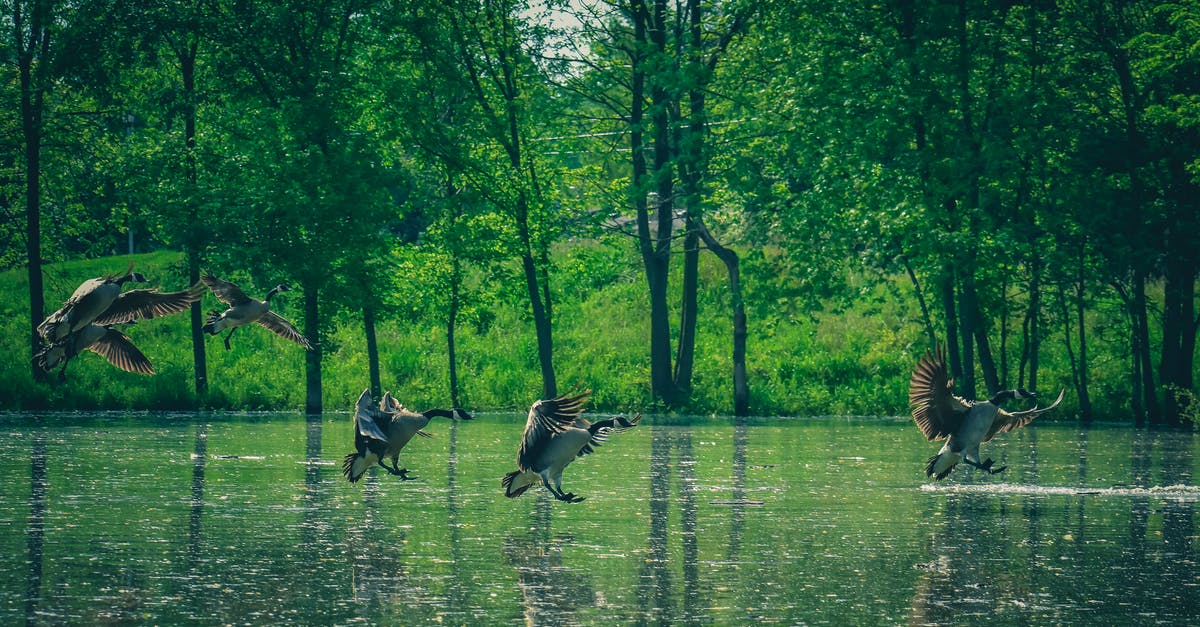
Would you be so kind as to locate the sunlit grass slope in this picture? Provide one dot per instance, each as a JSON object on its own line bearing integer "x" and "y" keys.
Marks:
{"x": 848, "y": 360}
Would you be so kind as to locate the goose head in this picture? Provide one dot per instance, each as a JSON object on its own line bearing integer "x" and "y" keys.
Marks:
{"x": 1018, "y": 394}
{"x": 275, "y": 290}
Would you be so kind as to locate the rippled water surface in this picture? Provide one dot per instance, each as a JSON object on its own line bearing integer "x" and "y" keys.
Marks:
{"x": 171, "y": 519}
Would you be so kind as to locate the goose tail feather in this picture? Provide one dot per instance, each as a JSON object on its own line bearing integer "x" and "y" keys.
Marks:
{"x": 355, "y": 465}
{"x": 941, "y": 464}
{"x": 516, "y": 483}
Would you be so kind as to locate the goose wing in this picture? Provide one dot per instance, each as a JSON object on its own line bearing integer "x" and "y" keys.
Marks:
{"x": 119, "y": 350}
{"x": 51, "y": 328}
{"x": 935, "y": 408}
{"x": 365, "y": 417}
{"x": 1007, "y": 421}
{"x": 600, "y": 431}
{"x": 226, "y": 292}
{"x": 389, "y": 403}
{"x": 546, "y": 418}
{"x": 145, "y": 304}
{"x": 284, "y": 329}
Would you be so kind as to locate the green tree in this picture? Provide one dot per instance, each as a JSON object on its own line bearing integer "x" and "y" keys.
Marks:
{"x": 487, "y": 53}
{"x": 310, "y": 190}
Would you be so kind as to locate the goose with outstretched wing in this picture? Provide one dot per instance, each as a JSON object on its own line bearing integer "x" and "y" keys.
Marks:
{"x": 942, "y": 415}
{"x": 555, "y": 435}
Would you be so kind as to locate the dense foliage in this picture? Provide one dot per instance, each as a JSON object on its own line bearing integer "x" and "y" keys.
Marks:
{"x": 721, "y": 206}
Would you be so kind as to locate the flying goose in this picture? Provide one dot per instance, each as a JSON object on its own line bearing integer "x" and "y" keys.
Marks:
{"x": 963, "y": 424}
{"x": 243, "y": 310}
{"x": 381, "y": 432}
{"x": 92, "y": 298}
{"x": 100, "y": 301}
{"x": 105, "y": 341}
{"x": 555, "y": 435}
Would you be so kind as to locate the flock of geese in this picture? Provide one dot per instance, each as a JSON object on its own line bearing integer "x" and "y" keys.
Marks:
{"x": 88, "y": 320}
{"x": 555, "y": 431}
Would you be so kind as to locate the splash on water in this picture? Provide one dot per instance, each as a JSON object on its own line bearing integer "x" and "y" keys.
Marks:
{"x": 1178, "y": 492}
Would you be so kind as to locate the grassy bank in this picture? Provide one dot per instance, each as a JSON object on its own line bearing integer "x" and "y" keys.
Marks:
{"x": 853, "y": 360}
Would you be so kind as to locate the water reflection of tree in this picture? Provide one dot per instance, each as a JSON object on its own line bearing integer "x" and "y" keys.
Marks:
{"x": 656, "y": 584}
{"x": 738, "y": 509}
{"x": 195, "y": 552}
{"x": 379, "y": 576}
{"x": 966, "y": 580}
{"x": 957, "y": 585}
{"x": 1173, "y": 599}
{"x": 1178, "y": 552}
{"x": 551, "y": 593}
{"x": 458, "y": 591}
{"x": 37, "y": 522}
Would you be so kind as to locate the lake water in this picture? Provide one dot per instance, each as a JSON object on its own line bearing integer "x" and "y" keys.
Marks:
{"x": 179, "y": 519}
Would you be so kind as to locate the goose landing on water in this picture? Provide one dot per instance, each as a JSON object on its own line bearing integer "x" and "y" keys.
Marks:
{"x": 381, "y": 432}
{"x": 554, "y": 436}
{"x": 963, "y": 424}
{"x": 244, "y": 310}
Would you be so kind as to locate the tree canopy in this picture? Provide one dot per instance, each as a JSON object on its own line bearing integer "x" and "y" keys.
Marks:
{"x": 1026, "y": 174}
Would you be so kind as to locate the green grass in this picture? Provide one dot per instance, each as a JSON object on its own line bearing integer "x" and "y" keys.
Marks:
{"x": 853, "y": 360}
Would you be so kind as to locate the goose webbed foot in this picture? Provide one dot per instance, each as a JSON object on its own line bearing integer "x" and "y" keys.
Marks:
{"x": 986, "y": 466}
{"x": 399, "y": 472}
{"x": 227, "y": 346}
{"x": 566, "y": 497}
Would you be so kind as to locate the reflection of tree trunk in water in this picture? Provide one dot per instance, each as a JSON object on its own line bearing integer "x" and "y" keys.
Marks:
{"x": 654, "y": 587}
{"x": 655, "y": 590}
{"x": 311, "y": 541}
{"x": 1178, "y": 551}
{"x": 1139, "y": 506}
{"x": 368, "y": 581}
{"x": 37, "y": 525}
{"x": 195, "y": 518}
{"x": 955, "y": 567}
{"x": 551, "y": 594}
{"x": 737, "y": 522}
{"x": 1080, "y": 542}
{"x": 692, "y": 607}
{"x": 458, "y": 590}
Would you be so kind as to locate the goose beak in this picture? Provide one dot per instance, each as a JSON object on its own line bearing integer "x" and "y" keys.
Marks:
{"x": 461, "y": 414}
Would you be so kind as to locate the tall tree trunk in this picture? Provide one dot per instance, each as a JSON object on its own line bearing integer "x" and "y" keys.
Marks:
{"x": 741, "y": 385}
{"x": 187, "y": 65}
{"x": 1136, "y": 398}
{"x": 1141, "y": 348}
{"x": 685, "y": 355}
{"x": 987, "y": 364}
{"x": 653, "y": 243}
{"x": 1076, "y": 378}
{"x": 1031, "y": 347}
{"x": 950, "y": 314}
{"x": 541, "y": 320}
{"x": 28, "y": 51}
{"x": 1179, "y": 331}
{"x": 312, "y": 358}
{"x": 368, "y": 313}
{"x": 1085, "y": 401}
{"x": 925, "y": 317}
{"x": 451, "y": 325}
{"x": 967, "y": 334}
